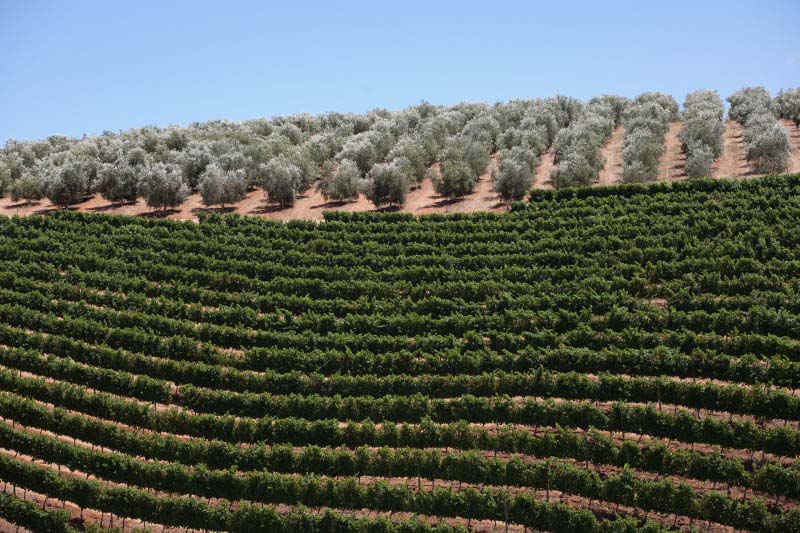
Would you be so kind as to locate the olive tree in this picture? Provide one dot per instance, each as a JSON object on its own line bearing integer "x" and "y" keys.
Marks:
{"x": 162, "y": 186}
{"x": 515, "y": 173}
{"x": 411, "y": 156}
{"x": 617, "y": 105}
{"x": 533, "y": 139}
{"x": 455, "y": 179}
{"x": 701, "y": 135}
{"x": 768, "y": 149}
{"x": 665, "y": 102}
{"x": 640, "y": 154}
{"x": 218, "y": 186}
{"x": 463, "y": 160}
{"x": 68, "y": 182}
{"x": 699, "y": 159}
{"x": 541, "y": 115}
{"x": 282, "y": 180}
{"x": 467, "y": 150}
{"x": 483, "y": 129}
{"x": 193, "y": 162}
{"x": 747, "y": 101}
{"x": 766, "y": 140}
{"x": 6, "y": 179}
{"x": 343, "y": 184}
{"x": 118, "y": 182}
{"x": 29, "y": 187}
{"x": 361, "y": 149}
{"x": 788, "y": 104}
{"x": 387, "y": 184}
{"x": 577, "y": 147}
{"x": 646, "y": 122}
{"x": 573, "y": 171}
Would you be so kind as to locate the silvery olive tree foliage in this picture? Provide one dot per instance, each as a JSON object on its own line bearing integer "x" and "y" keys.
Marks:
{"x": 788, "y": 105}
{"x": 463, "y": 160}
{"x": 162, "y": 185}
{"x": 646, "y": 121}
{"x": 387, "y": 184}
{"x": 749, "y": 101}
{"x": 616, "y": 104}
{"x": 410, "y": 153}
{"x": 766, "y": 140}
{"x": 577, "y": 147}
{"x": 701, "y": 135}
{"x": 193, "y": 160}
{"x": 573, "y": 170}
{"x": 361, "y": 149}
{"x": 118, "y": 182}
{"x": 29, "y": 187}
{"x": 289, "y": 154}
{"x": 483, "y": 129}
{"x": 768, "y": 146}
{"x": 69, "y": 180}
{"x": 219, "y": 186}
{"x": 282, "y": 180}
{"x": 699, "y": 159}
{"x": 342, "y": 184}
{"x": 515, "y": 174}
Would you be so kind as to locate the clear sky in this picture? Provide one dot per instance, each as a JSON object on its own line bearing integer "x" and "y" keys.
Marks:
{"x": 80, "y": 67}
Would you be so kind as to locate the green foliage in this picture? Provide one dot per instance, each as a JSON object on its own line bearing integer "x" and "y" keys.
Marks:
{"x": 218, "y": 186}
{"x": 282, "y": 180}
{"x": 766, "y": 140}
{"x": 788, "y": 104}
{"x": 701, "y": 135}
{"x": 342, "y": 185}
{"x": 387, "y": 184}
{"x": 162, "y": 186}
{"x": 646, "y": 121}
{"x": 515, "y": 173}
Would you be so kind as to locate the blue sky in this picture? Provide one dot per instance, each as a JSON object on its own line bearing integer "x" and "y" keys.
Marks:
{"x": 80, "y": 67}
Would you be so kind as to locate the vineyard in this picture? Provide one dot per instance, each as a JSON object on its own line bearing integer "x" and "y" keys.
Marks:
{"x": 604, "y": 359}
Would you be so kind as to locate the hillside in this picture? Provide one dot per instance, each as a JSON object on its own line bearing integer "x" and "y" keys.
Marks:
{"x": 601, "y": 359}
{"x": 425, "y": 159}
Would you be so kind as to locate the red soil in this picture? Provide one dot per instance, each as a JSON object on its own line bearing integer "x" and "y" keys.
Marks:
{"x": 612, "y": 154}
{"x": 794, "y": 143}
{"x": 671, "y": 162}
{"x": 732, "y": 162}
{"x": 542, "y": 179}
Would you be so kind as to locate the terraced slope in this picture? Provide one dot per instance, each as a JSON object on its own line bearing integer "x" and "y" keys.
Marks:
{"x": 602, "y": 359}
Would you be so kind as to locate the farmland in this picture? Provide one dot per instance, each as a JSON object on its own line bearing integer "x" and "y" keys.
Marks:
{"x": 420, "y": 160}
{"x": 595, "y": 359}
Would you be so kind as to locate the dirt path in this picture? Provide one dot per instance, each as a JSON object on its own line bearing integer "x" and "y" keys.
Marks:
{"x": 732, "y": 162}
{"x": 612, "y": 154}
{"x": 602, "y": 469}
{"x": 794, "y": 144}
{"x": 601, "y": 508}
{"x": 604, "y": 406}
{"x": 671, "y": 162}
{"x": 542, "y": 178}
{"x": 425, "y": 200}
{"x": 8, "y": 527}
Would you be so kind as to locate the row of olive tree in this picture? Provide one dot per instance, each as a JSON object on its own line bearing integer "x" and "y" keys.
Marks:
{"x": 766, "y": 140}
{"x": 523, "y": 143}
{"x": 451, "y": 148}
{"x": 788, "y": 105}
{"x": 701, "y": 136}
{"x": 577, "y": 146}
{"x": 646, "y": 121}
{"x": 345, "y": 153}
